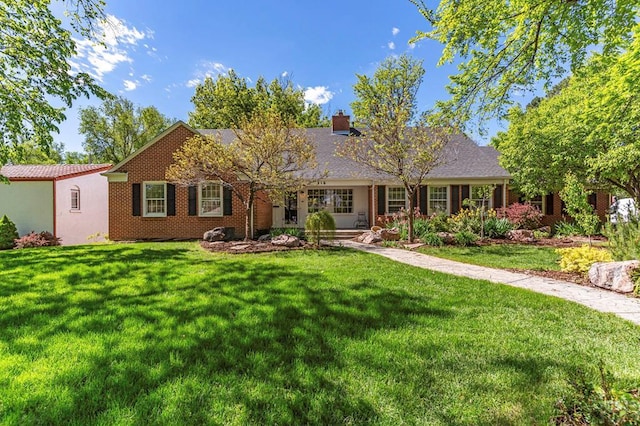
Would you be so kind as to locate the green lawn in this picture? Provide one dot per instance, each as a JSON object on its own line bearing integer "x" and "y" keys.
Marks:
{"x": 505, "y": 256}
{"x": 170, "y": 334}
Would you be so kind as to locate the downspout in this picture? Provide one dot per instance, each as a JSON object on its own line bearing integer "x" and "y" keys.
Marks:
{"x": 55, "y": 212}
{"x": 372, "y": 215}
{"x": 251, "y": 224}
{"x": 504, "y": 193}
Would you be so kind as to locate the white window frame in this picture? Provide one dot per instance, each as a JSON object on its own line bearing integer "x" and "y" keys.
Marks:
{"x": 430, "y": 209}
{"x": 202, "y": 199}
{"x": 477, "y": 201}
{"x": 145, "y": 203}
{"x": 75, "y": 199}
{"x": 404, "y": 206}
{"x": 330, "y": 199}
{"x": 540, "y": 204}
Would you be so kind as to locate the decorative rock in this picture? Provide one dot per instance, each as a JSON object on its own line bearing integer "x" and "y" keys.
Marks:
{"x": 371, "y": 237}
{"x": 215, "y": 234}
{"x": 615, "y": 276}
{"x": 521, "y": 235}
{"x": 240, "y": 247}
{"x": 447, "y": 238}
{"x": 286, "y": 241}
{"x": 265, "y": 237}
{"x": 389, "y": 234}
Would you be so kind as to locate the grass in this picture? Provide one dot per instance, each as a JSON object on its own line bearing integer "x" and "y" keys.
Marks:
{"x": 169, "y": 334}
{"x": 504, "y": 256}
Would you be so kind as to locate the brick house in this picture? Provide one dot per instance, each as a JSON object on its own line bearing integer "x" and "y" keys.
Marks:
{"x": 144, "y": 206}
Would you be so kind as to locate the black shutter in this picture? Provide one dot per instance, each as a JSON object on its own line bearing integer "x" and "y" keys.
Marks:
{"x": 171, "y": 199}
{"x": 193, "y": 199}
{"x": 423, "y": 199}
{"x": 548, "y": 210}
{"x": 497, "y": 197}
{"x": 382, "y": 202}
{"x": 593, "y": 200}
{"x": 465, "y": 193}
{"x": 227, "y": 207}
{"x": 135, "y": 198}
{"x": 455, "y": 199}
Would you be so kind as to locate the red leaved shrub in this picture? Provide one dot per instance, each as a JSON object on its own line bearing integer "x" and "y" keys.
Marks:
{"x": 32, "y": 239}
{"x": 522, "y": 216}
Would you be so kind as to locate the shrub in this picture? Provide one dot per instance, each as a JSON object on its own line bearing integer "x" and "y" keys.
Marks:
{"x": 432, "y": 239}
{"x": 32, "y": 239}
{"x": 465, "y": 238}
{"x": 495, "y": 227}
{"x": 580, "y": 259}
{"x": 295, "y": 232}
{"x": 624, "y": 240}
{"x": 466, "y": 221}
{"x": 522, "y": 216}
{"x": 320, "y": 224}
{"x": 439, "y": 222}
{"x": 8, "y": 233}
{"x": 567, "y": 229}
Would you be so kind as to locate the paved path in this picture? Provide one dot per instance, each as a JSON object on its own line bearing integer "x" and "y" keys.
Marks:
{"x": 592, "y": 297}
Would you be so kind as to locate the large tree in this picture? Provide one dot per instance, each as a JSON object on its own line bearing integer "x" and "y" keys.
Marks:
{"x": 396, "y": 142}
{"x": 589, "y": 128}
{"x": 227, "y": 101}
{"x": 505, "y": 47}
{"x": 117, "y": 128}
{"x": 269, "y": 155}
{"x": 36, "y": 80}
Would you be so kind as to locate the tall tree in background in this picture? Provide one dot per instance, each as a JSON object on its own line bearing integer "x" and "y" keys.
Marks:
{"x": 35, "y": 73}
{"x": 30, "y": 153}
{"x": 508, "y": 46}
{"x": 269, "y": 154}
{"x": 228, "y": 101}
{"x": 117, "y": 128}
{"x": 397, "y": 142}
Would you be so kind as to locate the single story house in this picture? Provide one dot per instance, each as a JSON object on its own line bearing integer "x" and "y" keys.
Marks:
{"x": 143, "y": 205}
{"x": 68, "y": 200}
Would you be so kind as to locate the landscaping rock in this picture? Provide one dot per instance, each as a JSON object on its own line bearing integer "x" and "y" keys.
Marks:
{"x": 215, "y": 234}
{"x": 389, "y": 234}
{"x": 447, "y": 238}
{"x": 371, "y": 237}
{"x": 521, "y": 235}
{"x": 286, "y": 241}
{"x": 265, "y": 237}
{"x": 615, "y": 276}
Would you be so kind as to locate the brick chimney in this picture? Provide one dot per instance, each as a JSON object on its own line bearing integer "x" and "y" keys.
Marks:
{"x": 340, "y": 124}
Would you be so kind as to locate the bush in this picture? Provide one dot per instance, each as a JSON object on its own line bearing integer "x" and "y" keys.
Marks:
{"x": 567, "y": 229}
{"x": 624, "y": 240}
{"x": 466, "y": 221}
{"x": 439, "y": 222}
{"x": 295, "y": 232}
{"x": 320, "y": 225}
{"x": 8, "y": 233}
{"x": 432, "y": 239}
{"x": 522, "y": 216}
{"x": 580, "y": 259}
{"x": 32, "y": 239}
{"x": 465, "y": 238}
{"x": 495, "y": 227}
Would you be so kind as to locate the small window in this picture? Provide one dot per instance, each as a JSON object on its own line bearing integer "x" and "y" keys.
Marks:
{"x": 155, "y": 199}
{"x": 75, "y": 199}
{"x": 210, "y": 199}
{"x": 437, "y": 199}
{"x": 396, "y": 199}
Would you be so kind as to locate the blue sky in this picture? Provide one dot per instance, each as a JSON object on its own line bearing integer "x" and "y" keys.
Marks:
{"x": 157, "y": 51}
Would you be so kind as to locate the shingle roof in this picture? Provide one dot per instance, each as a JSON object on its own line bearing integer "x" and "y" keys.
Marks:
{"x": 50, "y": 172}
{"x": 463, "y": 158}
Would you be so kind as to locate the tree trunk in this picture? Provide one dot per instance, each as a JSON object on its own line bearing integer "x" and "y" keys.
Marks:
{"x": 412, "y": 196}
{"x": 247, "y": 221}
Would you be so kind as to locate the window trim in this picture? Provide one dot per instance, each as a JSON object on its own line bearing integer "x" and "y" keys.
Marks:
{"x": 201, "y": 199}
{"x": 76, "y": 192}
{"x": 446, "y": 200}
{"x": 489, "y": 200}
{"x": 311, "y": 207}
{"x": 406, "y": 201}
{"x": 144, "y": 199}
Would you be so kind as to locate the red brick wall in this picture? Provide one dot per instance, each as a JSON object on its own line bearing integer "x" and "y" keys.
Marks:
{"x": 150, "y": 165}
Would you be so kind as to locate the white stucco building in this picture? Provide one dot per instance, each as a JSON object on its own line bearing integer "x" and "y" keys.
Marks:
{"x": 69, "y": 200}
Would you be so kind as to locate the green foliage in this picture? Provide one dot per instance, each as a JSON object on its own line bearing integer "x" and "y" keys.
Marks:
{"x": 599, "y": 401}
{"x": 431, "y": 239}
{"x": 575, "y": 196}
{"x": 36, "y": 72}
{"x": 439, "y": 222}
{"x": 320, "y": 225}
{"x": 8, "y": 233}
{"x": 508, "y": 47}
{"x": 497, "y": 227}
{"x": 30, "y": 153}
{"x": 624, "y": 239}
{"x": 467, "y": 220}
{"x": 117, "y": 128}
{"x": 580, "y": 259}
{"x": 567, "y": 229}
{"x": 465, "y": 238}
{"x": 33, "y": 239}
{"x": 295, "y": 232}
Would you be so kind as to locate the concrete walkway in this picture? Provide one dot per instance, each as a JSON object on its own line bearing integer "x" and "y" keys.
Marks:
{"x": 592, "y": 297}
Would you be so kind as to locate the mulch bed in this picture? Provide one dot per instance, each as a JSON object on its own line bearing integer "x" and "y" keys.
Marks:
{"x": 240, "y": 247}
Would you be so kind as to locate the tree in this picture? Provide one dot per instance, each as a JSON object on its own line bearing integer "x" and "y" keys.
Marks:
{"x": 588, "y": 128}
{"x": 509, "y": 46}
{"x": 396, "y": 143}
{"x": 30, "y": 153}
{"x": 117, "y": 128}
{"x": 36, "y": 80}
{"x": 268, "y": 155}
{"x": 574, "y": 194}
{"x": 228, "y": 101}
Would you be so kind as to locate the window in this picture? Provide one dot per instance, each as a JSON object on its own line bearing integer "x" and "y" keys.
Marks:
{"x": 155, "y": 199}
{"x": 437, "y": 199}
{"x": 75, "y": 199}
{"x": 477, "y": 193}
{"x": 396, "y": 199}
{"x": 331, "y": 200}
{"x": 210, "y": 199}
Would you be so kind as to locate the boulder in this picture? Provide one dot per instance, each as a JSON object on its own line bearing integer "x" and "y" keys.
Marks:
{"x": 215, "y": 234}
{"x": 447, "y": 237}
{"x": 521, "y": 235}
{"x": 264, "y": 238}
{"x": 615, "y": 276}
{"x": 389, "y": 234}
{"x": 286, "y": 241}
{"x": 371, "y": 237}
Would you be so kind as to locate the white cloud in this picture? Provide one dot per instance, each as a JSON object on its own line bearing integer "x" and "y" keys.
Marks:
{"x": 318, "y": 95}
{"x": 391, "y": 45}
{"x": 206, "y": 69}
{"x": 146, "y": 77}
{"x": 285, "y": 74}
{"x": 193, "y": 82}
{"x": 395, "y": 31}
{"x": 130, "y": 85}
{"x": 118, "y": 40}
{"x": 412, "y": 45}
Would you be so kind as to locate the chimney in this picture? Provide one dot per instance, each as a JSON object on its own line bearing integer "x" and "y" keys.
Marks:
{"x": 340, "y": 124}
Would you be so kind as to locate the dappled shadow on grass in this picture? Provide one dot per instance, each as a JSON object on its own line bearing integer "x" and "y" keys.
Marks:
{"x": 157, "y": 335}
